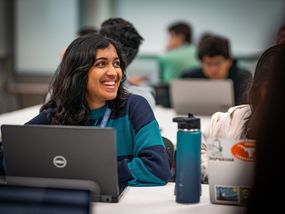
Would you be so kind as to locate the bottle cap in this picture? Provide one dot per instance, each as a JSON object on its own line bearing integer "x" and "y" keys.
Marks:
{"x": 189, "y": 122}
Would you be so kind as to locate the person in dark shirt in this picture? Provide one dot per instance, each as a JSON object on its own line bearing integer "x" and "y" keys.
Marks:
{"x": 217, "y": 63}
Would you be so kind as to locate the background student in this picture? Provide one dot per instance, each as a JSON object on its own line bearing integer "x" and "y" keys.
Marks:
{"x": 217, "y": 63}
{"x": 180, "y": 52}
{"x": 88, "y": 90}
{"x": 126, "y": 34}
{"x": 240, "y": 122}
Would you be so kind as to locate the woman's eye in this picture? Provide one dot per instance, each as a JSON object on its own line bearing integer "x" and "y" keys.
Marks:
{"x": 100, "y": 64}
{"x": 117, "y": 64}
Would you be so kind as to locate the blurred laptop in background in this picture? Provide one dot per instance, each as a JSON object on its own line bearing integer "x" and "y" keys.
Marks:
{"x": 201, "y": 96}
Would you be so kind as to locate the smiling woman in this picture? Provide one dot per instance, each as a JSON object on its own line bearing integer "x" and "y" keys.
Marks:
{"x": 88, "y": 89}
{"x": 104, "y": 77}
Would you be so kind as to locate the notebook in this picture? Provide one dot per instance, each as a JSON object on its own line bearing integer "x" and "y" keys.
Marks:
{"x": 230, "y": 170}
{"x": 69, "y": 152}
{"x": 201, "y": 96}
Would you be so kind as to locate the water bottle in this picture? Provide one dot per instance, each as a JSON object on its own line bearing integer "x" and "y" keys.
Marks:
{"x": 188, "y": 159}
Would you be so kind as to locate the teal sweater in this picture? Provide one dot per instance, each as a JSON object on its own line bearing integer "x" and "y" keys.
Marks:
{"x": 142, "y": 158}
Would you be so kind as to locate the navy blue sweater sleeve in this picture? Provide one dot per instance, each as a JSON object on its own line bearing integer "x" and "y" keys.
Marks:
{"x": 124, "y": 173}
{"x": 149, "y": 165}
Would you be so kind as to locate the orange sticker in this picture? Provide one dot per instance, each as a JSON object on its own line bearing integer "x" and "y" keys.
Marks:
{"x": 244, "y": 150}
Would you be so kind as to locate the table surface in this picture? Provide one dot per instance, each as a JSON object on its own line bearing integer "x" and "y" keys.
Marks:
{"x": 163, "y": 116}
{"x": 161, "y": 199}
{"x": 144, "y": 200}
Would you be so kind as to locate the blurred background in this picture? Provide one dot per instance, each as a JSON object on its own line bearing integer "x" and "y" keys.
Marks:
{"x": 33, "y": 33}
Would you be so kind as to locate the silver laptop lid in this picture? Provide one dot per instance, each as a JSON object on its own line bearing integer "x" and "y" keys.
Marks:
{"x": 201, "y": 96}
{"x": 70, "y": 152}
{"x": 230, "y": 170}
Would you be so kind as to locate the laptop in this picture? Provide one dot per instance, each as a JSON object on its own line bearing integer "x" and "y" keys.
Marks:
{"x": 69, "y": 152}
{"x": 46, "y": 195}
{"x": 230, "y": 170}
{"x": 201, "y": 96}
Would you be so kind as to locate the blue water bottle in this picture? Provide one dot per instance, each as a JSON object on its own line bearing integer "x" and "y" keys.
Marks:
{"x": 188, "y": 159}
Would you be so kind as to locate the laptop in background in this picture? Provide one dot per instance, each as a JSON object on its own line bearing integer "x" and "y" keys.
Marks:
{"x": 230, "y": 170}
{"x": 69, "y": 152}
{"x": 201, "y": 96}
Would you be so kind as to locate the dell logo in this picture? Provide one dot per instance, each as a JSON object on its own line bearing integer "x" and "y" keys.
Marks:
{"x": 59, "y": 161}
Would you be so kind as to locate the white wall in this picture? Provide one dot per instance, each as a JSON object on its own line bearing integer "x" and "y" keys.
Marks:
{"x": 43, "y": 28}
{"x": 250, "y": 24}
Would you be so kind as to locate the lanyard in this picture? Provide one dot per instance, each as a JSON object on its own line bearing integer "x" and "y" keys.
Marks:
{"x": 105, "y": 118}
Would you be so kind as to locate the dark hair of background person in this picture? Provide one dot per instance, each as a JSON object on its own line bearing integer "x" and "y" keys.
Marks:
{"x": 86, "y": 30}
{"x": 124, "y": 32}
{"x": 204, "y": 36}
{"x": 263, "y": 71}
{"x": 69, "y": 85}
{"x": 182, "y": 28}
{"x": 267, "y": 193}
{"x": 281, "y": 35}
{"x": 213, "y": 45}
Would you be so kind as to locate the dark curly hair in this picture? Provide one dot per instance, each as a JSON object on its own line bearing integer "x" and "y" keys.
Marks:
{"x": 214, "y": 45}
{"x": 182, "y": 28}
{"x": 69, "y": 83}
{"x": 125, "y": 33}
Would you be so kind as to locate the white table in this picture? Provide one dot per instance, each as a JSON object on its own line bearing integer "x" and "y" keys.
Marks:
{"x": 20, "y": 116}
{"x": 144, "y": 200}
{"x": 163, "y": 115}
{"x": 156, "y": 200}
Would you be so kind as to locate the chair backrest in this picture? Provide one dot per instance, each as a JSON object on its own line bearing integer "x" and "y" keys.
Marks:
{"x": 162, "y": 96}
{"x": 169, "y": 149}
{"x": 20, "y": 197}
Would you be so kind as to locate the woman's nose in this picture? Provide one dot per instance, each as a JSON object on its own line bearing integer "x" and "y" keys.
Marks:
{"x": 111, "y": 70}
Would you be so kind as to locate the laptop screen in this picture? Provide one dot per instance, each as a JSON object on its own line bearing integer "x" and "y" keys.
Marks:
{"x": 201, "y": 96}
{"x": 71, "y": 152}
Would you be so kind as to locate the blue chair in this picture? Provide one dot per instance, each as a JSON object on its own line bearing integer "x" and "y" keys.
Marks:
{"x": 169, "y": 149}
